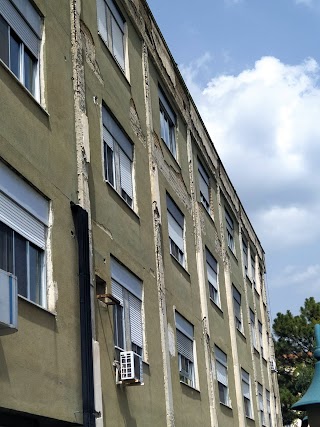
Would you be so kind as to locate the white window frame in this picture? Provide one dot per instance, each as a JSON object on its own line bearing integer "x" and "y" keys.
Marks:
{"x": 111, "y": 22}
{"x": 230, "y": 231}
{"x": 246, "y": 393}
{"x": 168, "y": 122}
{"x": 268, "y": 397}
{"x": 176, "y": 231}
{"x": 253, "y": 269}
{"x": 186, "y": 350}
{"x": 245, "y": 256}
{"x": 222, "y": 375}
{"x": 253, "y": 328}
{"x": 24, "y": 25}
{"x": 118, "y": 158}
{"x": 204, "y": 187}
{"x": 237, "y": 308}
{"x": 128, "y": 315}
{"x": 260, "y": 330}
{"x": 261, "y": 406}
{"x": 24, "y": 211}
{"x": 212, "y": 268}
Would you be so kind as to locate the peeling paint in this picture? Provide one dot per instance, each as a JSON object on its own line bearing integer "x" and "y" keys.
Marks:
{"x": 135, "y": 123}
{"x": 90, "y": 51}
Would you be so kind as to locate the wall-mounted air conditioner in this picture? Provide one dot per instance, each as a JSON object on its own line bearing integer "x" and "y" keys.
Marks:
{"x": 8, "y": 303}
{"x": 130, "y": 368}
{"x": 273, "y": 365}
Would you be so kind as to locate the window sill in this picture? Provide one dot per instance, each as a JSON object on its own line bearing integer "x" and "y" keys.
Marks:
{"x": 233, "y": 254}
{"x": 171, "y": 155}
{"x": 123, "y": 72}
{"x": 208, "y": 213}
{"x": 190, "y": 387}
{"x": 226, "y": 406}
{"x": 250, "y": 418}
{"x": 53, "y": 313}
{"x": 241, "y": 333}
{"x": 184, "y": 271}
{"x": 216, "y": 305}
{"x": 25, "y": 90}
{"x": 114, "y": 191}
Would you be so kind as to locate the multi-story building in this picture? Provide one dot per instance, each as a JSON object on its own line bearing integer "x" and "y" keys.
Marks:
{"x": 140, "y": 280}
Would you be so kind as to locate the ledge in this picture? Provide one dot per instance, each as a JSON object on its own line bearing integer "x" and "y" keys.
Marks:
{"x": 52, "y": 313}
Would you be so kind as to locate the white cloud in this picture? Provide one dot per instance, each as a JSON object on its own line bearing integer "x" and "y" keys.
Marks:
{"x": 265, "y": 125}
{"x": 293, "y": 276}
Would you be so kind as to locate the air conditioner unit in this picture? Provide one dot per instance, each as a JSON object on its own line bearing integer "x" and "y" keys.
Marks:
{"x": 273, "y": 365}
{"x": 130, "y": 368}
{"x": 8, "y": 303}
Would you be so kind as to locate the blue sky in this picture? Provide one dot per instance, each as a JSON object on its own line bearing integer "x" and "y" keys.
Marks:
{"x": 252, "y": 67}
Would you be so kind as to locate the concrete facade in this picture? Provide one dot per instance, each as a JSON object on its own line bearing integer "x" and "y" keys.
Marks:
{"x": 111, "y": 127}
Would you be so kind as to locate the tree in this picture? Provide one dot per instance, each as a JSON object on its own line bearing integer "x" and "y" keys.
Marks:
{"x": 294, "y": 341}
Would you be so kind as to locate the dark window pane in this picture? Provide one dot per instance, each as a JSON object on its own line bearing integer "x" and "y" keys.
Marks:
{"x": 29, "y": 71}
{"x": 118, "y": 326}
{"x": 35, "y": 266}
{"x": 20, "y": 248}
{"x": 15, "y": 55}
{"x": 6, "y": 248}
{"x": 4, "y": 41}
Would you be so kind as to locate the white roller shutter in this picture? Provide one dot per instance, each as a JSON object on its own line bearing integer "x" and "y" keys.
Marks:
{"x": 126, "y": 174}
{"x": 175, "y": 232}
{"x": 135, "y": 320}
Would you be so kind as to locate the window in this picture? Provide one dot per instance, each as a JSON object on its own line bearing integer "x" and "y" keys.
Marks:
{"x": 127, "y": 317}
{"x": 212, "y": 275}
{"x": 260, "y": 337}
{"x": 237, "y": 308}
{"x": 176, "y": 231}
{"x": 167, "y": 124}
{"x": 184, "y": 331}
{"x": 269, "y": 407}
{"x": 246, "y": 393}
{"x": 260, "y": 398}
{"x": 118, "y": 158}
{"x": 20, "y": 36}
{"x": 253, "y": 271}
{"x": 253, "y": 328}
{"x": 204, "y": 187}
{"x": 24, "y": 215}
{"x": 245, "y": 256}
{"x": 230, "y": 231}
{"x": 111, "y": 26}
{"x": 222, "y": 375}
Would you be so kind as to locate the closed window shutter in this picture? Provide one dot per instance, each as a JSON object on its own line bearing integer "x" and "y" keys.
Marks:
{"x": 185, "y": 346}
{"x": 125, "y": 278}
{"x": 117, "y": 133}
{"x": 17, "y": 218}
{"x": 28, "y": 34}
{"x": 175, "y": 232}
{"x": 117, "y": 40}
{"x": 212, "y": 276}
{"x": 204, "y": 188}
{"x": 117, "y": 291}
{"x": 135, "y": 320}
{"x": 167, "y": 107}
{"x": 222, "y": 376}
{"x": 245, "y": 384}
{"x": 126, "y": 174}
{"x": 107, "y": 137}
{"x": 102, "y": 20}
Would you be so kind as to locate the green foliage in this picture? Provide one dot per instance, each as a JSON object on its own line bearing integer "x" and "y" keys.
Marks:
{"x": 294, "y": 341}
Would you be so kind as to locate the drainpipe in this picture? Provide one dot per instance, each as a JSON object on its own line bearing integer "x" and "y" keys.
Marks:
{"x": 80, "y": 217}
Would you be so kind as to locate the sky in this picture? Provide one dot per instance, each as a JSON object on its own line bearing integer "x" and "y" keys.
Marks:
{"x": 253, "y": 70}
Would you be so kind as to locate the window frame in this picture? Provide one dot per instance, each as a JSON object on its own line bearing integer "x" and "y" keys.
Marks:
{"x": 128, "y": 289}
{"x": 247, "y": 399}
{"x": 253, "y": 328}
{"x": 237, "y": 309}
{"x": 24, "y": 26}
{"x": 185, "y": 350}
{"x": 245, "y": 256}
{"x": 261, "y": 405}
{"x": 204, "y": 186}
{"x": 221, "y": 359}
{"x": 118, "y": 152}
{"x": 253, "y": 269}
{"x": 176, "y": 226}
{"x": 260, "y": 330}
{"x": 230, "y": 232}
{"x": 109, "y": 14}
{"x": 212, "y": 264}
{"x": 168, "y": 119}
